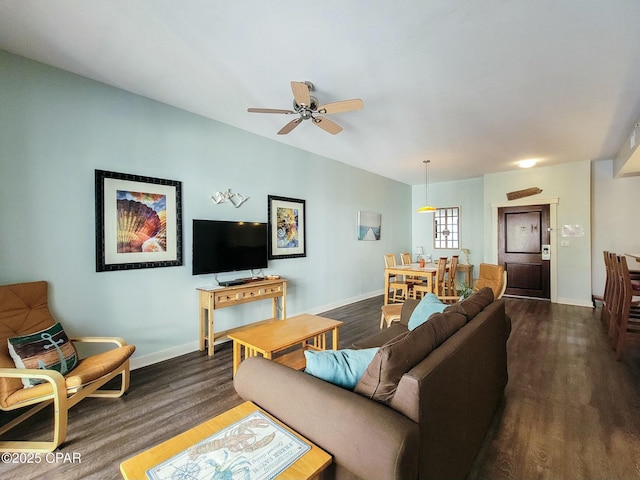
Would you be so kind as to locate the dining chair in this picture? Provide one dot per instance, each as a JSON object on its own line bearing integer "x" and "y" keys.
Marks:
{"x": 396, "y": 284}
{"x": 411, "y": 280}
{"x": 438, "y": 284}
{"x": 451, "y": 284}
{"x": 625, "y": 322}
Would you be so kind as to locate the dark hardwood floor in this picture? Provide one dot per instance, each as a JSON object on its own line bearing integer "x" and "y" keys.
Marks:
{"x": 570, "y": 410}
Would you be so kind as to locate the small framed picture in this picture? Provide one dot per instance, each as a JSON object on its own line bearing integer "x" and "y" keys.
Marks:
{"x": 138, "y": 222}
{"x": 369, "y": 225}
{"x": 287, "y": 235}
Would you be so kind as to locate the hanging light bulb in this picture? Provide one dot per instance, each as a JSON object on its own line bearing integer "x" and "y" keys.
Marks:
{"x": 427, "y": 208}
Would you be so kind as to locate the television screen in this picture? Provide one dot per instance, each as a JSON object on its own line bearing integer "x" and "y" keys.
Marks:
{"x": 222, "y": 246}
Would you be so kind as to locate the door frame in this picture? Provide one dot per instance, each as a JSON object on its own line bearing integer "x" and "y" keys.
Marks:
{"x": 553, "y": 222}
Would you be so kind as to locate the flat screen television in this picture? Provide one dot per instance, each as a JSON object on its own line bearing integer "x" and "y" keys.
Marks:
{"x": 222, "y": 246}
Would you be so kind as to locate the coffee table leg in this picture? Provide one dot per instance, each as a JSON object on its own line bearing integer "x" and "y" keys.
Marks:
{"x": 335, "y": 338}
{"x": 237, "y": 356}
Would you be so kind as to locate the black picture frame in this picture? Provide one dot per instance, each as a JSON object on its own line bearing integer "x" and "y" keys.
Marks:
{"x": 287, "y": 227}
{"x": 138, "y": 221}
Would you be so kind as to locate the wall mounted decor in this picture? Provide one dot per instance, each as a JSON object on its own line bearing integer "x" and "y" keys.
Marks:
{"x": 572, "y": 231}
{"x": 527, "y": 192}
{"x": 369, "y": 225}
{"x": 138, "y": 222}
{"x": 287, "y": 235}
{"x": 235, "y": 199}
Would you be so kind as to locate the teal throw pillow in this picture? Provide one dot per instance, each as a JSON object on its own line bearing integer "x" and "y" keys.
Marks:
{"x": 48, "y": 349}
{"x": 429, "y": 305}
{"x": 340, "y": 367}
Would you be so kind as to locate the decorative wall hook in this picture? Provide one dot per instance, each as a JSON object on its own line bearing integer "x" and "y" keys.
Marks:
{"x": 236, "y": 199}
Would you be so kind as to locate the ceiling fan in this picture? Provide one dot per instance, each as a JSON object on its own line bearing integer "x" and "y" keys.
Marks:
{"x": 306, "y": 105}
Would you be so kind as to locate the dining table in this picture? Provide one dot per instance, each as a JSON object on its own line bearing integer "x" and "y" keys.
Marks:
{"x": 428, "y": 272}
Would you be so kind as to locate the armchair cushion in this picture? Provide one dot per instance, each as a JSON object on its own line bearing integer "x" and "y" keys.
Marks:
{"x": 88, "y": 370}
{"x": 48, "y": 349}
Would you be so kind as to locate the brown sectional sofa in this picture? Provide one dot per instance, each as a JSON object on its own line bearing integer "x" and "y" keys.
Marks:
{"x": 430, "y": 427}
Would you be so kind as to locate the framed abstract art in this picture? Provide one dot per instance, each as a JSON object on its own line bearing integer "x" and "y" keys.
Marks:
{"x": 287, "y": 235}
{"x": 138, "y": 222}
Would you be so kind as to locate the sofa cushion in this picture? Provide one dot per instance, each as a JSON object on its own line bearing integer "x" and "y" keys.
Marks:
{"x": 408, "y": 307}
{"x": 340, "y": 367}
{"x": 381, "y": 337}
{"x": 395, "y": 358}
{"x": 473, "y": 305}
{"x": 429, "y": 305}
{"x": 48, "y": 349}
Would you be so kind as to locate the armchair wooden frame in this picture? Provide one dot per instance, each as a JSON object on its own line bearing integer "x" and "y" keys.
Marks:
{"x": 62, "y": 398}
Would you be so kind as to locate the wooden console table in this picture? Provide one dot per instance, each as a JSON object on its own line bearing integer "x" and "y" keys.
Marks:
{"x": 213, "y": 298}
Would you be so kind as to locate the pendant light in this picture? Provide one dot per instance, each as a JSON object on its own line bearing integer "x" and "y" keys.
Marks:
{"x": 427, "y": 208}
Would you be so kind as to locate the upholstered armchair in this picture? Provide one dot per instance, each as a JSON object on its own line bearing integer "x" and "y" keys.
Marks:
{"x": 39, "y": 365}
{"x": 494, "y": 277}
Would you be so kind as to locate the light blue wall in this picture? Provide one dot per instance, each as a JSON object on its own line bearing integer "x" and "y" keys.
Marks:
{"x": 57, "y": 128}
{"x": 466, "y": 194}
{"x": 615, "y": 226}
{"x": 570, "y": 183}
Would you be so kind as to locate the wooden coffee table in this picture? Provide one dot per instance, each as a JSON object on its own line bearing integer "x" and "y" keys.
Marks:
{"x": 308, "y": 466}
{"x": 269, "y": 338}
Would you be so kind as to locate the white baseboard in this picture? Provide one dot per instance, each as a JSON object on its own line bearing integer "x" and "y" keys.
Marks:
{"x": 169, "y": 353}
{"x": 341, "y": 303}
{"x": 576, "y": 302}
{"x": 162, "y": 355}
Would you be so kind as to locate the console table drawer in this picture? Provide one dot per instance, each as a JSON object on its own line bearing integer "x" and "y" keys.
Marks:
{"x": 246, "y": 294}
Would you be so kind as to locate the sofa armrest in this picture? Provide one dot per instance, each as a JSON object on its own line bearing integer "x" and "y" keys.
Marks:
{"x": 368, "y": 439}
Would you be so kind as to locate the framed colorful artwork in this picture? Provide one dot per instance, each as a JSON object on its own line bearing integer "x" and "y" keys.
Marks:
{"x": 286, "y": 220}
{"x": 369, "y": 225}
{"x": 138, "y": 222}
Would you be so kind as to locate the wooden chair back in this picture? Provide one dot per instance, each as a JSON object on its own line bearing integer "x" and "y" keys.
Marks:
{"x": 452, "y": 286}
{"x": 607, "y": 296}
{"x": 439, "y": 287}
{"x": 405, "y": 258}
{"x": 389, "y": 260}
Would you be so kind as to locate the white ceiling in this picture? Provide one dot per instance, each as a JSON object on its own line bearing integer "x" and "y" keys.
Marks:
{"x": 473, "y": 85}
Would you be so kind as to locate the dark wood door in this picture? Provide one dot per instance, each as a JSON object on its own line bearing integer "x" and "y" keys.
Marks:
{"x": 522, "y": 233}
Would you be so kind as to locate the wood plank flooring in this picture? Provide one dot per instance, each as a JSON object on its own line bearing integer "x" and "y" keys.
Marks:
{"x": 570, "y": 410}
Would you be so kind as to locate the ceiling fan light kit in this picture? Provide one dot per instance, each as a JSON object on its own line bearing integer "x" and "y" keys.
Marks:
{"x": 308, "y": 108}
{"x": 427, "y": 208}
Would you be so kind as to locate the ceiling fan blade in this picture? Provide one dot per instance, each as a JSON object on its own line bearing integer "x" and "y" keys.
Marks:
{"x": 342, "y": 106}
{"x": 269, "y": 110}
{"x": 301, "y": 93}
{"x": 327, "y": 125}
{"x": 290, "y": 126}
